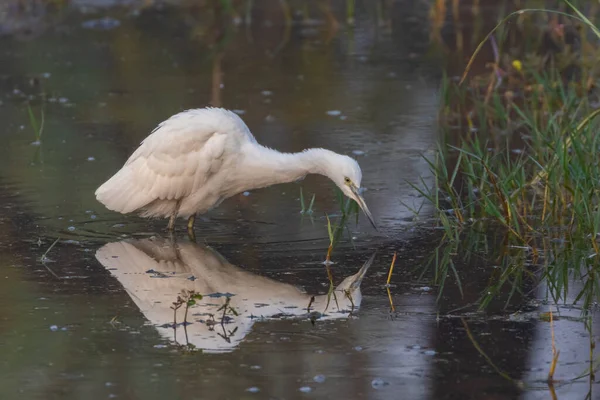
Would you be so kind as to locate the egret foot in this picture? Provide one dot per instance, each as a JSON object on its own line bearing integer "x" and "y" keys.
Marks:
{"x": 190, "y": 227}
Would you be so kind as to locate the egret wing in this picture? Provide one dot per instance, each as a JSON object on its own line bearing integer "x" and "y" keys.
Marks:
{"x": 175, "y": 171}
{"x": 175, "y": 160}
{"x": 171, "y": 171}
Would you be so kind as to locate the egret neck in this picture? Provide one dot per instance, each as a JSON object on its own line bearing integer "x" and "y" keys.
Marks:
{"x": 264, "y": 166}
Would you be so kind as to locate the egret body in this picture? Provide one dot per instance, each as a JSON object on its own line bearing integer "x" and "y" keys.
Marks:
{"x": 197, "y": 158}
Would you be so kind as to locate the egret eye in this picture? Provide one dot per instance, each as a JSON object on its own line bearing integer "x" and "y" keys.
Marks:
{"x": 347, "y": 181}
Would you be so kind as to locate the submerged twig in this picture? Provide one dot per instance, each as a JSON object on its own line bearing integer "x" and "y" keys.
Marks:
{"x": 387, "y": 284}
{"x": 391, "y": 269}
{"x": 392, "y": 307}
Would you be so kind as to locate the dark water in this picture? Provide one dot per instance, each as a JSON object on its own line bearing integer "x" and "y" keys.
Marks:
{"x": 94, "y": 321}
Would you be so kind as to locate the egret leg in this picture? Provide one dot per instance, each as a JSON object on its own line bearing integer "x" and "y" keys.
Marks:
{"x": 171, "y": 226}
{"x": 190, "y": 227}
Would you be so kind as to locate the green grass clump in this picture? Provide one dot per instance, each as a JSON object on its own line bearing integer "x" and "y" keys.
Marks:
{"x": 521, "y": 153}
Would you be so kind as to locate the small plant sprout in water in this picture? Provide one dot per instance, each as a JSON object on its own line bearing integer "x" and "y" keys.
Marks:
{"x": 44, "y": 257}
{"x": 176, "y": 306}
{"x": 227, "y": 309}
{"x": 348, "y": 295}
{"x": 305, "y": 210}
{"x": 347, "y": 209}
{"x": 187, "y": 298}
{"x": 38, "y": 127}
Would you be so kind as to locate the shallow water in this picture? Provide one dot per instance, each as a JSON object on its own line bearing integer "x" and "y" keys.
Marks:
{"x": 94, "y": 321}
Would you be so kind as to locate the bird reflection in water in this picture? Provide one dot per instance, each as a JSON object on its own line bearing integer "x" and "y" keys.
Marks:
{"x": 161, "y": 276}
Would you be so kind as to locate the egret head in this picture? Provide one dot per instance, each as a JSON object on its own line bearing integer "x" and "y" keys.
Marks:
{"x": 346, "y": 174}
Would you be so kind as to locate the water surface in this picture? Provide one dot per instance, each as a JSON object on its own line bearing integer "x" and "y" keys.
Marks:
{"x": 94, "y": 320}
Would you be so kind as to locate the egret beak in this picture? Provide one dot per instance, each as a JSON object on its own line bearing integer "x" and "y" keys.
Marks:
{"x": 358, "y": 277}
{"x": 363, "y": 206}
{"x": 352, "y": 283}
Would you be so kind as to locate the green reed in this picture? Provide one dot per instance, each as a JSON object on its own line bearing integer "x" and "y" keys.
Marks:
{"x": 519, "y": 154}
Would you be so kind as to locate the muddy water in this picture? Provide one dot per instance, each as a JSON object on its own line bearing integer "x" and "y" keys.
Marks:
{"x": 95, "y": 320}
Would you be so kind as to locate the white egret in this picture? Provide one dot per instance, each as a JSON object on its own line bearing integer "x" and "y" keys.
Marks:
{"x": 197, "y": 158}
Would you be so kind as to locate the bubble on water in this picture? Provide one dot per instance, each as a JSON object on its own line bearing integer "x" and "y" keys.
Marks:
{"x": 91, "y": 158}
{"x": 101, "y": 24}
{"x": 319, "y": 378}
{"x": 269, "y": 118}
{"x": 109, "y": 384}
{"x": 63, "y": 100}
{"x": 53, "y": 328}
{"x": 159, "y": 346}
{"x": 253, "y": 389}
{"x": 246, "y": 194}
{"x": 266, "y": 93}
{"x": 71, "y": 228}
{"x": 255, "y": 367}
{"x": 358, "y": 348}
{"x": 425, "y": 289}
{"x": 358, "y": 152}
{"x": 416, "y": 347}
{"x": 93, "y": 216}
{"x": 378, "y": 383}
{"x": 45, "y": 75}
{"x": 305, "y": 389}
{"x": 430, "y": 352}
{"x": 334, "y": 113}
